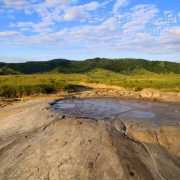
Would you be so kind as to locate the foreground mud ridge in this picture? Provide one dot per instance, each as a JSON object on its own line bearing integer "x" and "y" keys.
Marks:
{"x": 38, "y": 143}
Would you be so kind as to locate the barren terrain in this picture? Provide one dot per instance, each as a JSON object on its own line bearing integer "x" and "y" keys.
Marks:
{"x": 37, "y": 142}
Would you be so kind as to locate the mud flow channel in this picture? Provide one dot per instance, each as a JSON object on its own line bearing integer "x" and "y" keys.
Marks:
{"x": 108, "y": 108}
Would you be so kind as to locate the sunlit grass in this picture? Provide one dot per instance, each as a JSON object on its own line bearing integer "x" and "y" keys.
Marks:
{"x": 24, "y": 85}
{"x": 163, "y": 82}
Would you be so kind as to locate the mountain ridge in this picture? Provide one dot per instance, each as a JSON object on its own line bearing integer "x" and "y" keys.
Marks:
{"x": 123, "y": 65}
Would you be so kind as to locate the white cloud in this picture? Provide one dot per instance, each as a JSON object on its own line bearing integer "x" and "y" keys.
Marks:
{"x": 79, "y": 12}
{"x": 9, "y": 59}
{"x": 93, "y": 28}
{"x": 50, "y": 3}
{"x": 106, "y": 2}
{"x": 110, "y": 23}
{"x": 44, "y": 26}
{"x": 139, "y": 16}
{"x": 15, "y": 2}
{"x": 169, "y": 14}
{"x": 118, "y": 4}
{"x": 8, "y": 33}
{"x": 50, "y": 17}
{"x": 174, "y": 31}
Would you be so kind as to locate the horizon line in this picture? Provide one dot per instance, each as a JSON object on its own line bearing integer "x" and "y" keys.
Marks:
{"x": 69, "y": 59}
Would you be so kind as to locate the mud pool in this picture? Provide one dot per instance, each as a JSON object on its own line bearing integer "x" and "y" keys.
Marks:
{"x": 109, "y": 108}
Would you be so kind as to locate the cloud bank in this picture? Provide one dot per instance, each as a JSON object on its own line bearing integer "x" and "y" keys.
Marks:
{"x": 75, "y": 26}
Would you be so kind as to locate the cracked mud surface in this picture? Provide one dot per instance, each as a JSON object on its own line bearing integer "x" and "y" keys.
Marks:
{"x": 37, "y": 142}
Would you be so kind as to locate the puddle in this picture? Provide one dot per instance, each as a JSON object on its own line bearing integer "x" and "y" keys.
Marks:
{"x": 105, "y": 108}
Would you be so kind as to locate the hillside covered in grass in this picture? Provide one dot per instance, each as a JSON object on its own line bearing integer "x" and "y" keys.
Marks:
{"x": 12, "y": 86}
{"x": 24, "y": 79}
{"x": 123, "y": 66}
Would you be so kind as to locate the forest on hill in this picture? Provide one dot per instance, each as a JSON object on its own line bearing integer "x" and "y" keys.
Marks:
{"x": 123, "y": 66}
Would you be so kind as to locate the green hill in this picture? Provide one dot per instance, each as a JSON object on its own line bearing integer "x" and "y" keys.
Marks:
{"x": 8, "y": 71}
{"x": 142, "y": 71}
{"x": 123, "y": 66}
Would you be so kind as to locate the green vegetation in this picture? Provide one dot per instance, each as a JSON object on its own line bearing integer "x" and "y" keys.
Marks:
{"x": 123, "y": 66}
{"x": 8, "y": 71}
{"x": 24, "y": 79}
{"x": 12, "y": 86}
{"x": 137, "y": 81}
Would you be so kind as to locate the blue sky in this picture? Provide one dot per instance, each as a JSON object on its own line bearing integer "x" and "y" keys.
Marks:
{"x": 81, "y": 29}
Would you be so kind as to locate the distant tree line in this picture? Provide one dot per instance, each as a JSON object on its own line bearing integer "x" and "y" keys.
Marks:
{"x": 124, "y": 66}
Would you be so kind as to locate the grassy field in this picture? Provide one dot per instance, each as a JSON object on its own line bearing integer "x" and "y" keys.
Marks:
{"x": 12, "y": 86}
{"x": 138, "y": 80}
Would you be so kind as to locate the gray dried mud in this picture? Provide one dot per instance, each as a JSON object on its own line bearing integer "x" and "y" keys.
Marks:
{"x": 39, "y": 142}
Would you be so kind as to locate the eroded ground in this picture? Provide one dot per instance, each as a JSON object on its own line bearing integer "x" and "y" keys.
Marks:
{"x": 38, "y": 142}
